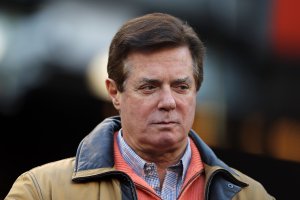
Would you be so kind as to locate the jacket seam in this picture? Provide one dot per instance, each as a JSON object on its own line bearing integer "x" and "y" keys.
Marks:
{"x": 36, "y": 184}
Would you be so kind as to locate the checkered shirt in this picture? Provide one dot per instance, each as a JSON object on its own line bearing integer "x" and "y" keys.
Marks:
{"x": 148, "y": 171}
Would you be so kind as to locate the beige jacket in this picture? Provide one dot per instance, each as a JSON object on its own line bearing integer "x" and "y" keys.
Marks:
{"x": 91, "y": 175}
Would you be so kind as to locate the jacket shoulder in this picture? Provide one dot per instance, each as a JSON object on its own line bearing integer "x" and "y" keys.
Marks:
{"x": 54, "y": 170}
{"x": 31, "y": 184}
{"x": 255, "y": 189}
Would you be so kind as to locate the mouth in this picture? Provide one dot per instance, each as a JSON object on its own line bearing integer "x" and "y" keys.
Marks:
{"x": 165, "y": 122}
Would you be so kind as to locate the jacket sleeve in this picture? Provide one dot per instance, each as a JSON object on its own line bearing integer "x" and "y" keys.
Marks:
{"x": 24, "y": 188}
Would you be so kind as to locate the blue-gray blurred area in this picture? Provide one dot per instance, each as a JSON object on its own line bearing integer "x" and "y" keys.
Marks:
{"x": 54, "y": 36}
{"x": 52, "y": 66}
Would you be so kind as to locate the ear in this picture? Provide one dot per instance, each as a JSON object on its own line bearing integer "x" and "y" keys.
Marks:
{"x": 113, "y": 92}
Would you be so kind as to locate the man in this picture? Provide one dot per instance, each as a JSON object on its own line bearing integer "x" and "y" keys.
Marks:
{"x": 149, "y": 151}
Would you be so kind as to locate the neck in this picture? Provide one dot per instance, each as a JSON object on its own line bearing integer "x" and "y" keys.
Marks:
{"x": 163, "y": 160}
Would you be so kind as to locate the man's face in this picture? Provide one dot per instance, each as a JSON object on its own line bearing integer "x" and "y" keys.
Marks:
{"x": 157, "y": 106}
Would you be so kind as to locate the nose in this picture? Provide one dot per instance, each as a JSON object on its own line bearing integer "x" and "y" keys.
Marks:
{"x": 167, "y": 101}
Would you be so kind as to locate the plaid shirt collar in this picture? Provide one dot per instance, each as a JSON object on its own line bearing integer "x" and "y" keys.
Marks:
{"x": 140, "y": 166}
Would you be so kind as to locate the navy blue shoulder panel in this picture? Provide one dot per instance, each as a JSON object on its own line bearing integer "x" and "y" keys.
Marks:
{"x": 128, "y": 189}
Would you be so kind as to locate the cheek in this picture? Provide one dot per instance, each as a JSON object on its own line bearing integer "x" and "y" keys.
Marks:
{"x": 135, "y": 107}
{"x": 188, "y": 104}
{"x": 189, "y": 109}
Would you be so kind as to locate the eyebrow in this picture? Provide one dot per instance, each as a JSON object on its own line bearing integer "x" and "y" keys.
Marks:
{"x": 183, "y": 80}
{"x": 149, "y": 80}
{"x": 157, "y": 81}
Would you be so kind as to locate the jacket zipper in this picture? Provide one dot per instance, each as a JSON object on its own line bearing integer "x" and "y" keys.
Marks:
{"x": 190, "y": 181}
{"x": 146, "y": 189}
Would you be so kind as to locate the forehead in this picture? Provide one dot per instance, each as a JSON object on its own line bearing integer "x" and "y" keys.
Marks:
{"x": 167, "y": 60}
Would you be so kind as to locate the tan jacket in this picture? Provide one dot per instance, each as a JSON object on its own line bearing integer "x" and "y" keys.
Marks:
{"x": 90, "y": 175}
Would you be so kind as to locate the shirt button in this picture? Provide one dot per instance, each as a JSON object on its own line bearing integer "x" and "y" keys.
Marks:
{"x": 230, "y": 185}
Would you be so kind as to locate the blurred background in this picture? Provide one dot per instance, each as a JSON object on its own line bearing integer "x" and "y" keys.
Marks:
{"x": 53, "y": 64}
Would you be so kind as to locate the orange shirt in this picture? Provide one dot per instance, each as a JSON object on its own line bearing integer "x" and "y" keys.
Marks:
{"x": 192, "y": 188}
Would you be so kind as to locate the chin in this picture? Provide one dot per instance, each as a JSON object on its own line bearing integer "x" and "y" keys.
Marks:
{"x": 169, "y": 142}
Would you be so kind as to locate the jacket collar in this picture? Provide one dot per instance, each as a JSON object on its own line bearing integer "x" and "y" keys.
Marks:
{"x": 207, "y": 155}
{"x": 96, "y": 149}
{"x": 94, "y": 153}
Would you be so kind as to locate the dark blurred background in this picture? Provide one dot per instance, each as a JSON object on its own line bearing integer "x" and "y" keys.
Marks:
{"x": 52, "y": 71}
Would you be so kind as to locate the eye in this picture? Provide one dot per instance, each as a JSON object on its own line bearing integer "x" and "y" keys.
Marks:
{"x": 147, "y": 89}
{"x": 182, "y": 88}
